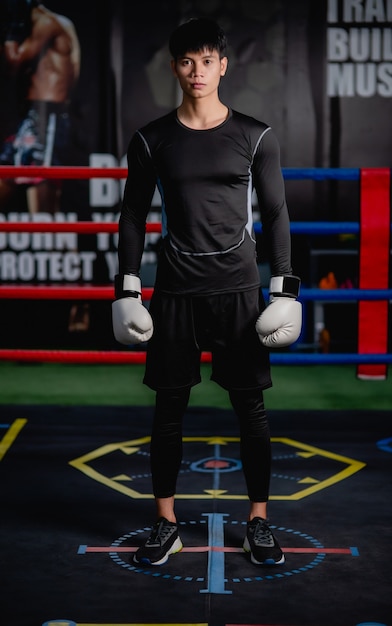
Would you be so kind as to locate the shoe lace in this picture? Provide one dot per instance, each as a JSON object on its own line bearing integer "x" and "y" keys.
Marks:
{"x": 160, "y": 532}
{"x": 262, "y": 534}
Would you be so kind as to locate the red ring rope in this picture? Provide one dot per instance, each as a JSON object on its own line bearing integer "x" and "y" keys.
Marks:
{"x": 80, "y": 356}
{"x": 70, "y": 227}
{"x": 63, "y": 292}
{"x": 76, "y": 172}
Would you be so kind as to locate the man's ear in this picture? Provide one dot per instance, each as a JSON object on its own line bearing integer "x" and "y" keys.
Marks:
{"x": 173, "y": 67}
{"x": 224, "y": 63}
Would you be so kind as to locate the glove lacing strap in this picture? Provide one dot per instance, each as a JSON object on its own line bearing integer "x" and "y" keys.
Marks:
{"x": 127, "y": 286}
{"x": 285, "y": 286}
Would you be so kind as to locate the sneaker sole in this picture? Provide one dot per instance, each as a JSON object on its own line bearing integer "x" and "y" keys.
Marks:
{"x": 176, "y": 547}
{"x": 246, "y": 548}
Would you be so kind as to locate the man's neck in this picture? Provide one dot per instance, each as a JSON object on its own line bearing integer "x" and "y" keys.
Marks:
{"x": 202, "y": 114}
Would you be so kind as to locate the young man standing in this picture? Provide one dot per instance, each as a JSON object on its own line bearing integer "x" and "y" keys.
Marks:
{"x": 206, "y": 159}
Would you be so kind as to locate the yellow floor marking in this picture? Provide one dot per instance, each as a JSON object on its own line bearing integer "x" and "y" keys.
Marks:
{"x": 10, "y": 436}
{"x": 350, "y": 466}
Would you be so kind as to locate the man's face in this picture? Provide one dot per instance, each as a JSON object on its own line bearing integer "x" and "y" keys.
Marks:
{"x": 199, "y": 73}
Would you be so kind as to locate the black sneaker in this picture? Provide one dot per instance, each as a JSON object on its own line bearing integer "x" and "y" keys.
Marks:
{"x": 261, "y": 543}
{"x": 162, "y": 542}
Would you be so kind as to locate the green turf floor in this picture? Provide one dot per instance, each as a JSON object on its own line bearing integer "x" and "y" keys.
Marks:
{"x": 295, "y": 387}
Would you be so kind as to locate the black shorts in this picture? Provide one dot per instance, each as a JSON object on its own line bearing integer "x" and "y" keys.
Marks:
{"x": 185, "y": 326}
{"x": 41, "y": 138}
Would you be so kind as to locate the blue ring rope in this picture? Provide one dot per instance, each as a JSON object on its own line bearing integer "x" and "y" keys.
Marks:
{"x": 337, "y": 295}
{"x": 298, "y": 358}
{"x": 321, "y": 173}
{"x": 320, "y": 228}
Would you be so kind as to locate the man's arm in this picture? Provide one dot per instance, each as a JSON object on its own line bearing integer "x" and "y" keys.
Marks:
{"x": 270, "y": 190}
{"x": 28, "y": 35}
{"x": 132, "y": 323}
{"x": 279, "y": 325}
{"x": 139, "y": 190}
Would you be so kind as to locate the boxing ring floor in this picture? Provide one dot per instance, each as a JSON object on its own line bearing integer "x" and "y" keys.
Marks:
{"x": 76, "y": 503}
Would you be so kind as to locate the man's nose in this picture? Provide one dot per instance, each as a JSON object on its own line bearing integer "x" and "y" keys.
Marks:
{"x": 197, "y": 70}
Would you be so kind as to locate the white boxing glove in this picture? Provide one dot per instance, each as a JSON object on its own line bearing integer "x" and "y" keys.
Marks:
{"x": 132, "y": 323}
{"x": 280, "y": 323}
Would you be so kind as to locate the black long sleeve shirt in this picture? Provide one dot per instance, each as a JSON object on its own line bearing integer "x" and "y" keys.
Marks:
{"x": 206, "y": 180}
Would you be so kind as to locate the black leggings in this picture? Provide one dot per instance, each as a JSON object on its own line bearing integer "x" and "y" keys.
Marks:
{"x": 166, "y": 441}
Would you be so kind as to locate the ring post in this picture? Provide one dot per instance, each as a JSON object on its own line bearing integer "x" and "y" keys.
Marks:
{"x": 374, "y": 253}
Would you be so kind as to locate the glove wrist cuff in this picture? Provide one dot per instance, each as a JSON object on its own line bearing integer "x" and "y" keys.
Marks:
{"x": 284, "y": 286}
{"x": 127, "y": 286}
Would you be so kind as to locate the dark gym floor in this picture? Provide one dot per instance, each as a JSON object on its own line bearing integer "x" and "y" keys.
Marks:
{"x": 76, "y": 502}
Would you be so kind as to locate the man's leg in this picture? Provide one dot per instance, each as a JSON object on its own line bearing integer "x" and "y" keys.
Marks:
{"x": 255, "y": 452}
{"x": 166, "y": 447}
{"x": 44, "y": 197}
{"x": 6, "y": 190}
{"x": 166, "y": 457}
{"x": 255, "y": 446}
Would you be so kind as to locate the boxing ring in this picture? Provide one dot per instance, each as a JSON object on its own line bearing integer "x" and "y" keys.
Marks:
{"x": 373, "y": 295}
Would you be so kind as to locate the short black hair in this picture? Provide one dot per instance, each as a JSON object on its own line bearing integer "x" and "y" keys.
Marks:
{"x": 195, "y": 35}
